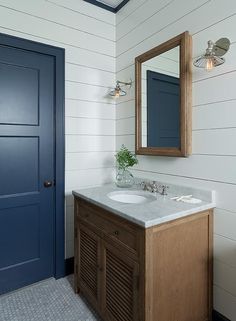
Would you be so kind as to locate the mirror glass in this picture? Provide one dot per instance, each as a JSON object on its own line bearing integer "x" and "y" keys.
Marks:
{"x": 163, "y": 98}
{"x": 160, "y": 100}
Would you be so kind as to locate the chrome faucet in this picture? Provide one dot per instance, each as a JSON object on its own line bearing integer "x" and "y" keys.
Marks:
{"x": 150, "y": 186}
{"x": 154, "y": 187}
{"x": 164, "y": 189}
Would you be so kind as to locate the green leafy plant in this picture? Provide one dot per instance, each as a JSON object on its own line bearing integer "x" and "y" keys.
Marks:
{"x": 125, "y": 158}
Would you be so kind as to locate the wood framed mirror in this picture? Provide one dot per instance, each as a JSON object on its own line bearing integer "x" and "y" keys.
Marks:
{"x": 163, "y": 79}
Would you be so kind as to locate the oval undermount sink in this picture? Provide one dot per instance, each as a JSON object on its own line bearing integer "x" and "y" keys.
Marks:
{"x": 131, "y": 197}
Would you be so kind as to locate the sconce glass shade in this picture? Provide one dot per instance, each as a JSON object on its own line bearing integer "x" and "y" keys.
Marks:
{"x": 118, "y": 91}
{"x": 208, "y": 62}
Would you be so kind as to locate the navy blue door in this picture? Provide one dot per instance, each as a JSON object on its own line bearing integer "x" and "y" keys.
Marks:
{"x": 26, "y": 163}
{"x": 163, "y": 101}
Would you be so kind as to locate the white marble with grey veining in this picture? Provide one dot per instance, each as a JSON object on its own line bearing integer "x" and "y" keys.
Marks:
{"x": 161, "y": 209}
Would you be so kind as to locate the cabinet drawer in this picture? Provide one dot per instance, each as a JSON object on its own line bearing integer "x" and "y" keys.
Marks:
{"x": 108, "y": 224}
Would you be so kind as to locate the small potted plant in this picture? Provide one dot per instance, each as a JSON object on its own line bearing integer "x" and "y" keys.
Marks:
{"x": 125, "y": 159}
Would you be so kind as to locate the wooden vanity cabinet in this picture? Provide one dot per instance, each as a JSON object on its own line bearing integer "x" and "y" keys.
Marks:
{"x": 129, "y": 273}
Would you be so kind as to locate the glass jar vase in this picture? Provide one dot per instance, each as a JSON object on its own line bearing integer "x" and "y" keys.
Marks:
{"x": 124, "y": 178}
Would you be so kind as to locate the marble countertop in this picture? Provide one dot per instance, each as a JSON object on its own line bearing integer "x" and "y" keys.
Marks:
{"x": 161, "y": 209}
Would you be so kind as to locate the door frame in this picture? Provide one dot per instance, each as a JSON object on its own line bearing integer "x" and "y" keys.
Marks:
{"x": 59, "y": 139}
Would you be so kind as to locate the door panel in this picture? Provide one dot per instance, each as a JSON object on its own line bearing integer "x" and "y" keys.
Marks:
{"x": 27, "y": 246}
{"x": 121, "y": 278}
{"x": 88, "y": 264}
{"x": 11, "y": 77}
{"x": 26, "y": 161}
{"x": 163, "y": 112}
{"x": 14, "y": 155}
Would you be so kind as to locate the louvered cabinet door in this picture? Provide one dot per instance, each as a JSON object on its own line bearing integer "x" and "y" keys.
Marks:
{"x": 120, "y": 282}
{"x": 88, "y": 264}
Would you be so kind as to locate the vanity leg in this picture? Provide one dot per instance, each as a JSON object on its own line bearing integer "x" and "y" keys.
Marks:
{"x": 76, "y": 286}
{"x": 77, "y": 289}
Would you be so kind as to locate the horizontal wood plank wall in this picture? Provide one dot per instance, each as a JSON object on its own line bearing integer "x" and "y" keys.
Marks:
{"x": 140, "y": 26}
{"x": 88, "y": 35}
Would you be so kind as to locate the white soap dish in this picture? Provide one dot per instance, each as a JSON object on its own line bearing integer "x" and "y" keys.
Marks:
{"x": 191, "y": 200}
{"x": 186, "y": 199}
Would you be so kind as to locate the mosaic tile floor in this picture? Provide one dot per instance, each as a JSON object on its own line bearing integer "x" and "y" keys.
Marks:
{"x": 50, "y": 300}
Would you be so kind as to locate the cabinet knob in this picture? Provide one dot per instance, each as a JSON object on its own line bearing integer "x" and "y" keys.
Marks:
{"x": 116, "y": 232}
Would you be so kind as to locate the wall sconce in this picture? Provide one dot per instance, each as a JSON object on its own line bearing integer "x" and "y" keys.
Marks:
{"x": 118, "y": 91}
{"x": 213, "y": 55}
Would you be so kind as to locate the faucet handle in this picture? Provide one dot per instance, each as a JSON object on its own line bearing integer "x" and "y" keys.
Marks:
{"x": 143, "y": 185}
{"x": 164, "y": 189}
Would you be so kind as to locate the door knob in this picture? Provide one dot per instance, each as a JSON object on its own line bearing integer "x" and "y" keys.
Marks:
{"x": 47, "y": 184}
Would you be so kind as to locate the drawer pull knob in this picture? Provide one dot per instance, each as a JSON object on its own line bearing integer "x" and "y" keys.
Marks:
{"x": 116, "y": 232}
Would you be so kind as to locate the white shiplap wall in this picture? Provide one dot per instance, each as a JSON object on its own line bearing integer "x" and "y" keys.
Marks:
{"x": 144, "y": 24}
{"x": 88, "y": 35}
